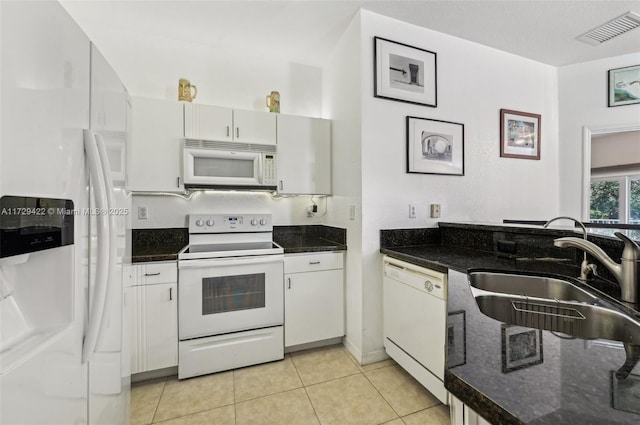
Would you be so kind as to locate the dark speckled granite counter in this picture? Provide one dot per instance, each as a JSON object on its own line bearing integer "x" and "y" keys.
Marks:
{"x": 158, "y": 244}
{"x": 164, "y": 244}
{"x": 313, "y": 238}
{"x": 574, "y": 382}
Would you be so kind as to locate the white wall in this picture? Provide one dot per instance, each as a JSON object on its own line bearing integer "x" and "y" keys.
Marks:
{"x": 474, "y": 83}
{"x": 583, "y": 103}
{"x": 615, "y": 149}
{"x": 150, "y": 66}
{"x": 342, "y": 104}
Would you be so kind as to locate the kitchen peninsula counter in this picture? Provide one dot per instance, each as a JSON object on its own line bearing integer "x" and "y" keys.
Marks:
{"x": 564, "y": 380}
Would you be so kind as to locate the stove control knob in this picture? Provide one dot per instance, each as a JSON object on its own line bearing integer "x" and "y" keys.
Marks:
{"x": 263, "y": 221}
{"x": 210, "y": 222}
{"x": 254, "y": 222}
{"x": 199, "y": 222}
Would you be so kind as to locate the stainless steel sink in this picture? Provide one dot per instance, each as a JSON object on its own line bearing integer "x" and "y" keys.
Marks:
{"x": 530, "y": 286}
{"x": 557, "y": 305}
{"x": 572, "y": 318}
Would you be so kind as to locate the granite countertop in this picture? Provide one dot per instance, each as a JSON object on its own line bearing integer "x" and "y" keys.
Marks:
{"x": 158, "y": 244}
{"x": 164, "y": 244}
{"x": 313, "y": 238}
{"x": 560, "y": 381}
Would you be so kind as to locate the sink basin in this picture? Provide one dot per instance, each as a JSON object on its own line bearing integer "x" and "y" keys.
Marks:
{"x": 573, "y": 318}
{"x": 551, "y": 304}
{"x": 530, "y": 286}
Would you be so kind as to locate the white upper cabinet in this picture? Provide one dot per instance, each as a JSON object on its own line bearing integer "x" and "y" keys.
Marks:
{"x": 254, "y": 127}
{"x": 304, "y": 155}
{"x": 210, "y": 122}
{"x": 108, "y": 96}
{"x": 156, "y": 146}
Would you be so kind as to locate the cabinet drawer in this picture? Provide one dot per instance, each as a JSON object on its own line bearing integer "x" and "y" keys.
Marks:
{"x": 300, "y": 263}
{"x": 152, "y": 273}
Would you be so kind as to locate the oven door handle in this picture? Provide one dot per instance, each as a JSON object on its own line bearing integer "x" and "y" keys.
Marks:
{"x": 234, "y": 261}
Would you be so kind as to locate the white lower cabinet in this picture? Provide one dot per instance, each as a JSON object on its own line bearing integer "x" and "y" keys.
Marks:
{"x": 461, "y": 414}
{"x": 313, "y": 297}
{"x": 154, "y": 326}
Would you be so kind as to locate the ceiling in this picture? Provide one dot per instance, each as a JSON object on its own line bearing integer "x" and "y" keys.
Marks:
{"x": 306, "y": 31}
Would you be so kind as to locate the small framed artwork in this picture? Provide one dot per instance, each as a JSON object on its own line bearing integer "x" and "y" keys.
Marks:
{"x": 519, "y": 134}
{"x": 521, "y": 348}
{"x": 404, "y": 73}
{"x": 435, "y": 147}
{"x": 456, "y": 339}
{"x": 624, "y": 86}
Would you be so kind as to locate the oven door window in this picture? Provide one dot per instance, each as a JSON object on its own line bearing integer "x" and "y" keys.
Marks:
{"x": 232, "y": 293}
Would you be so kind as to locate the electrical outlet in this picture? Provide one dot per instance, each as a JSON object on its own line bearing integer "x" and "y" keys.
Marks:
{"x": 352, "y": 212}
{"x": 435, "y": 210}
{"x": 143, "y": 213}
{"x": 412, "y": 211}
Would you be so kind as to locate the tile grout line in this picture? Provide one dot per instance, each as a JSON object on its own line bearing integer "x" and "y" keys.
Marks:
{"x": 235, "y": 410}
{"x": 381, "y": 395}
{"x": 155, "y": 411}
{"x": 305, "y": 390}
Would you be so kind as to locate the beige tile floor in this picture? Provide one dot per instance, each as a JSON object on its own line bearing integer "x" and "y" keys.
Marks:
{"x": 323, "y": 386}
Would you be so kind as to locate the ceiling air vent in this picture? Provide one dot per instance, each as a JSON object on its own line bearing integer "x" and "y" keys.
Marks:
{"x": 611, "y": 29}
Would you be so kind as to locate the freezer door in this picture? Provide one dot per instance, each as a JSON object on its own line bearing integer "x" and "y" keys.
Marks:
{"x": 44, "y": 103}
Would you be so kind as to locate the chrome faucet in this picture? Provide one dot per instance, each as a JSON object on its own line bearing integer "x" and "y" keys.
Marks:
{"x": 586, "y": 268}
{"x": 627, "y": 272}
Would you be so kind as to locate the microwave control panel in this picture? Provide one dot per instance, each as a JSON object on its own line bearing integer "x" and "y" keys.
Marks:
{"x": 269, "y": 170}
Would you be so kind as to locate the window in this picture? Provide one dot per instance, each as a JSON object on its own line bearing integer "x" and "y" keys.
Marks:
{"x": 616, "y": 200}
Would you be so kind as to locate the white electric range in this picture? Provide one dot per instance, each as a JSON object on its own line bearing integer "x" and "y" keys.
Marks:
{"x": 230, "y": 294}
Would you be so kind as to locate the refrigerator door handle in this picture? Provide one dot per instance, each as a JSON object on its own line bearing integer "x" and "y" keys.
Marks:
{"x": 111, "y": 218}
{"x": 102, "y": 264}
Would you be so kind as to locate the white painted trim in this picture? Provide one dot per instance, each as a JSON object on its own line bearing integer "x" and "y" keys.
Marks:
{"x": 353, "y": 350}
{"x": 375, "y": 356}
{"x": 587, "y": 133}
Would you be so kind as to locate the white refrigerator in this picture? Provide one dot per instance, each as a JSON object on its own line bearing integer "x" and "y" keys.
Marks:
{"x": 65, "y": 125}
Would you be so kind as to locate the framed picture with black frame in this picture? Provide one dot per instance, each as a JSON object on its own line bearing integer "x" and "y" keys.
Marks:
{"x": 404, "y": 73}
{"x": 456, "y": 339}
{"x": 521, "y": 348}
{"x": 435, "y": 146}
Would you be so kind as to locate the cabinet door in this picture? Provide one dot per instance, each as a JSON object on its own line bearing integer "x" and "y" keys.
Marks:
{"x": 161, "y": 325}
{"x": 304, "y": 155}
{"x": 314, "y": 306}
{"x": 254, "y": 127}
{"x": 108, "y": 95}
{"x": 208, "y": 122}
{"x": 156, "y": 146}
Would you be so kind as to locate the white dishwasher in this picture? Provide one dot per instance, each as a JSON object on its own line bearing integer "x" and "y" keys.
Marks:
{"x": 415, "y": 321}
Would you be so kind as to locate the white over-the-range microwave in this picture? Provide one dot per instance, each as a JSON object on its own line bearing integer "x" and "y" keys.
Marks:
{"x": 229, "y": 165}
